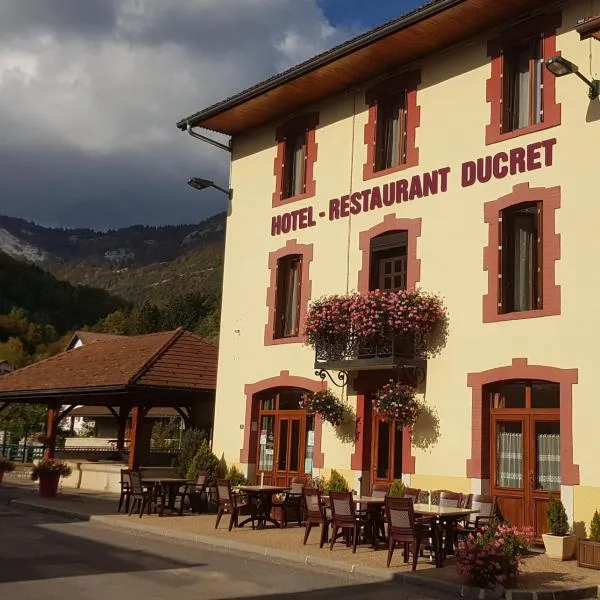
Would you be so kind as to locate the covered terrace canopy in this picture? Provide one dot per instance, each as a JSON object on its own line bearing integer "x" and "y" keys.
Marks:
{"x": 129, "y": 375}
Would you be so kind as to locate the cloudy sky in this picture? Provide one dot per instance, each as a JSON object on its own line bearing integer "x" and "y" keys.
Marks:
{"x": 90, "y": 91}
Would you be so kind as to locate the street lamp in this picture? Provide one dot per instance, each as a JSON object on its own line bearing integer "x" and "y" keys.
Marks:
{"x": 559, "y": 67}
{"x": 202, "y": 184}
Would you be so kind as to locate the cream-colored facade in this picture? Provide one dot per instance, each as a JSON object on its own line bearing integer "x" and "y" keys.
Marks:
{"x": 454, "y": 114}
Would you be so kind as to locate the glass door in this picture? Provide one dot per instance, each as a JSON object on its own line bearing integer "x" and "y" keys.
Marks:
{"x": 386, "y": 453}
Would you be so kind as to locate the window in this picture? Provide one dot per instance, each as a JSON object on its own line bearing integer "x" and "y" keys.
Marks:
{"x": 294, "y": 170}
{"x": 391, "y": 129}
{"x": 523, "y": 84}
{"x": 522, "y": 96}
{"x": 390, "y": 139}
{"x": 389, "y": 261}
{"x": 287, "y": 307}
{"x": 295, "y": 160}
{"x": 520, "y": 256}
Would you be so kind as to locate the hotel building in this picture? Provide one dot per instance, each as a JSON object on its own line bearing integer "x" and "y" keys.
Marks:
{"x": 445, "y": 151}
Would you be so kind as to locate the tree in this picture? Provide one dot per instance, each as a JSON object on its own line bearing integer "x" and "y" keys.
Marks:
{"x": 20, "y": 420}
{"x": 14, "y": 352}
{"x": 146, "y": 319}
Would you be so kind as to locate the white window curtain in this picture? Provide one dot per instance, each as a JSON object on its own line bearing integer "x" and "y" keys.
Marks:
{"x": 509, "y": 459}
{"x": 298, "y": 172}
{"x": 524, "y": 267}
{"x": 523, "y": 88}
{"x": 548, "y": 461}
{"x": 292, "y": 300}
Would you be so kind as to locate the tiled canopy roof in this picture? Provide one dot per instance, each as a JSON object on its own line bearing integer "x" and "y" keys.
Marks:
{"x": 87, "y": 337}
{"x": 103, "y": 411}
{"x": 174, "y": 359}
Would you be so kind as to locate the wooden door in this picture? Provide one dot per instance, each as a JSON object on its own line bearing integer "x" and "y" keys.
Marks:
{"x": 525, "y": 467}
{"x": 386, "y": 451}
{"x": 289, "y": 449}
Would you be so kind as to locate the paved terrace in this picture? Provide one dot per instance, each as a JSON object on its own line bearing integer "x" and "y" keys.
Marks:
{"x": 275, "y": 544}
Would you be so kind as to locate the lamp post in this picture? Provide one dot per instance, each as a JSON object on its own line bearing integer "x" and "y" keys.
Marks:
{"x": 202, "y": 184}
{"x": 559, "y": 67}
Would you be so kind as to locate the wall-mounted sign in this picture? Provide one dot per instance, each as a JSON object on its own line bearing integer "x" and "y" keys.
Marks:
{"x": 481, "y": 170}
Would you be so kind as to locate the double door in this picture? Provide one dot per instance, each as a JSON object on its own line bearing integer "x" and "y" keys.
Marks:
{"x": 525, "y": 465}
{"x": 386, "y": 451}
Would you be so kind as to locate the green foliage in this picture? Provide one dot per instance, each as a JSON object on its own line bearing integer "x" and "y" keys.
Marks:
{"x": 6, "y": 465}
{"x": 165, "y": 433}
{"x": 595, "y": 527}
{"x": 205, "y": 460}
{"x": 337, "y": 483}
{"x": 191, "y": 441}
{"x": 397, "y": 489}
{"x": 558, "y": 524}
{"x": 21, "y": 420}
{"x": 236, "y": 477}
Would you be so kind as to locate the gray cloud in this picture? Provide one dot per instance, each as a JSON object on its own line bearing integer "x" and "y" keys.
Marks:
{"x": 90, "y": 91}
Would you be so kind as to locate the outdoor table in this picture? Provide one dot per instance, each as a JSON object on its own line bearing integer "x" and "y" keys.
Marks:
{"x": 262, "y": 497}
{"x": 374, "y": 505}
{"x": 170, "y": 485}
{"x": 444, "y": 516}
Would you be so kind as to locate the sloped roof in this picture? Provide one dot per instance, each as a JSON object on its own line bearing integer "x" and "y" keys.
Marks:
{"x": 87, "y": 337}
{"x": 103, "y": 411}
{"x": 174, "y": 359}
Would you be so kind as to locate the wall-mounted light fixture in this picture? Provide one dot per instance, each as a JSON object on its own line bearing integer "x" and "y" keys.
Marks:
{"x": 201, "y": 184}
{"x": 559, "y": 67}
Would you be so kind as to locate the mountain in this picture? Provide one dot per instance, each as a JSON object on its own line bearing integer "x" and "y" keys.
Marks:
{"x": 137, "y": 263}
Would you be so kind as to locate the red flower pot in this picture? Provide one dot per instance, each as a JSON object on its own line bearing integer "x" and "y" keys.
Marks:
{"x": 1, "y": 475}
{"x": 49, "y": 486}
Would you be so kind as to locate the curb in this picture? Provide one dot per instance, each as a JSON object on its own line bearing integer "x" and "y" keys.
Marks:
{"x": 359, "y": 571}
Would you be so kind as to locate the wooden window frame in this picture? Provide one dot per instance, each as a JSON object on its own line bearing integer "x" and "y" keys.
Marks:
{"x": 292, "y": 248}
{"x": 407, "y": 84}
{"x": 388, "y": 250}
{"x": 543, "y": 27}
{"x": 284, "y": 269}
{"x": 306, "y": 123}
{"x": 549, "y": 199}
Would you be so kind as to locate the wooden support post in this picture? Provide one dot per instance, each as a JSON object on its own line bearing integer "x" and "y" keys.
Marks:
{"x": 51, "y": 429}
{"x": 122, "y": 418}
{"x": 137, "y": 430}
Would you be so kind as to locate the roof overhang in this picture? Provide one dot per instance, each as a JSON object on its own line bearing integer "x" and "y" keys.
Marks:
{"x": 427, "y": 30}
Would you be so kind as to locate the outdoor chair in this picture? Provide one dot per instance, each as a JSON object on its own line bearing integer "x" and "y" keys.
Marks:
{"x": 196, "y": 490}
{"x": 316, "y": 514}
{"x": 486, "y": 505}
{"x": 231, "y": 503}
{"x": 142, "y": 497}
{"x": 404, "y": 528}
{"x": 380, "y": 490}
{"x": 412, "y": 493}
{"x": 344, "y": 516}
{"x": 125, "y": 497}
{"x": 292, "y": 502}
{"x": 465, "y": 501}
{"x": 450, "y": 499}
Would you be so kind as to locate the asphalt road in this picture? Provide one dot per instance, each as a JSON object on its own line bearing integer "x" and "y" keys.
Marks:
{"x": 45, "y": 556}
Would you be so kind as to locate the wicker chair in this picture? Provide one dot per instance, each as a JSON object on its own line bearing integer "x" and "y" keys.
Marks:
{"x": 486, "y": 505}
{"x": 404, "y": 528}
{"x": 413, "y": 494}
{"x": 142, "y": 497}
{"x": 316, "y": 514}
{"x": 380, "y": 490}
{"x": 230, "y": 503}
{"x": 292, "y": 502}
{"x": 196, "y": 490}
{"x": 344, "y": 516}
{"x": 125, "y": 497}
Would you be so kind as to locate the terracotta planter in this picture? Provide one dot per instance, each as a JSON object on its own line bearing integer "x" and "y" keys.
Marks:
{"x": 588, "y": 554}
{"x": 560, "y": 547}
{"x": 49, "y": 486}
{"x": 1, "y": 476}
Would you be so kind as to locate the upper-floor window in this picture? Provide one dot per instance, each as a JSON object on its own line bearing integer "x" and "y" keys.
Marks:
{"x": 295, "y": 159}
{"x": 520, "y": 258}
{"x": 523, "y": 85}
{"x": 390, "y": 139}
{"x": 289, "y": 294}
{"x": 389, "y": 261}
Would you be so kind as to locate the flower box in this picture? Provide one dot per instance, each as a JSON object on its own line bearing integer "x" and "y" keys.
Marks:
{"x": 588, "y": 554}
{"x": 560, "y": 547}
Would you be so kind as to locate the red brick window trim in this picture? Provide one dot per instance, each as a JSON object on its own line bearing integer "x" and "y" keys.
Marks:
{"x": 391, "y": 223}
{"x": 299, "y": 131}
{"x": 291, "y": 249}
{"x": 398, "y": 93}
{"x": 283, "y": 380}
{"x": 478, "y": 465}
{"x": 549, "y": 199}
{"x": 542, "y": 28}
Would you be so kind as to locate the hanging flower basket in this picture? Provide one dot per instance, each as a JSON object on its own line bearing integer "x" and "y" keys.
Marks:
{"x": 396, "y": 401}
{"x": 326, "y": 404}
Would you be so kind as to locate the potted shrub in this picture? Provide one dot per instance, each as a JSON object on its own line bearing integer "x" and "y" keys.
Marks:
{"x": 5, "y": 466}
{"x": 326, "y": 404}
{"x": 49, "y": 471}
{"x": 558, "y": 543}
{"x": 397, "y": 489}
{"x": 588, "y": 554}
{"x": 397, "y": 402}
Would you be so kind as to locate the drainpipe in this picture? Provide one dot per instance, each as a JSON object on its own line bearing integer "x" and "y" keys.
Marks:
{"x": 208, "y": 140}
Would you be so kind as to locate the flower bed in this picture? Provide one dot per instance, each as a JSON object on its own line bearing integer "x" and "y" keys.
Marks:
{"x": 396, "y": 401}
{"x": 493, "y": 555}
{"x": 373, "y": 316}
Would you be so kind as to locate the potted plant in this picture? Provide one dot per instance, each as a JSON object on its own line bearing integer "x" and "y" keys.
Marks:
{"x": 326, "y": 404}
{"x": 558, "y": 543}
{"x": 49, "y": 471}
{"x": 397, "y": 402}
{"x": 588, "y": 554}
{"x": 397, "y": 489}
{"x": 5, "y": 466}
